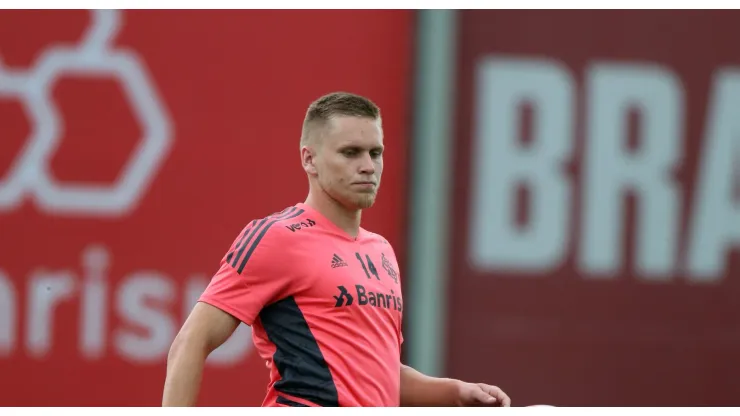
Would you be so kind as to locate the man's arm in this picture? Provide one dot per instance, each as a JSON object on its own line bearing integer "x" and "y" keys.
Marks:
{"x": 205, "y": 330}
{"x": 419, "y": 390}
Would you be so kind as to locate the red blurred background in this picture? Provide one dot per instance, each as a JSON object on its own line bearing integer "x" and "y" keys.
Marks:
{"x": 595, "y": 209}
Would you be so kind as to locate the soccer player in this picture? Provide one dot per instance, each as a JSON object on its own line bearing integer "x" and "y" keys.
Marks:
{"x": 322, "y": 294}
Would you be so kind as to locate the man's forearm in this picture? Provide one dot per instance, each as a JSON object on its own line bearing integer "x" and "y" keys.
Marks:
{"x": 418, "y": 389}
{"x": 184, "y": 374}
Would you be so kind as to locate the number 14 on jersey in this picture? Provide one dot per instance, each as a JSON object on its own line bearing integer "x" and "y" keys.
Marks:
{"x": 371, "y": 271}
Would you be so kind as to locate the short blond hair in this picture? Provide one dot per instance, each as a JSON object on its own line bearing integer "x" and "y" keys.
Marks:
{"x": 337, "y": 104}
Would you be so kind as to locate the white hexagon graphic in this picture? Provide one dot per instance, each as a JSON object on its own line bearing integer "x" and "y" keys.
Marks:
{"x": 30, "y": 172}
{"x": 43, "y": 122}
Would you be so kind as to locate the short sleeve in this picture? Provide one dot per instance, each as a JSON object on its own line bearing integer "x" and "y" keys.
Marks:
{"x": 249, "y": 277}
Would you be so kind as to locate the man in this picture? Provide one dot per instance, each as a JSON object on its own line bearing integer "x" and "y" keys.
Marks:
{"x": 322, "y": 294}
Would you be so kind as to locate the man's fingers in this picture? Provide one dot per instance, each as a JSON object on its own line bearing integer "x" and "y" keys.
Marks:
{"x": 482, "y": 395}
{"x": 496, "y": 392}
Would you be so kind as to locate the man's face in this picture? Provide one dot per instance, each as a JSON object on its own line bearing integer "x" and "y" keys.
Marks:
{"x": 349, "y": 160}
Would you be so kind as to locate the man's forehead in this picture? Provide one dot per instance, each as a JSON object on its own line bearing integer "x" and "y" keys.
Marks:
{"x": 358, "y": 130}
{"x": 338, "y": 124}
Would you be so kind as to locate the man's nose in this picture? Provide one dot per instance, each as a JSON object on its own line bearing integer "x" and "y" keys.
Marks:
{"x": 367, "y": 166}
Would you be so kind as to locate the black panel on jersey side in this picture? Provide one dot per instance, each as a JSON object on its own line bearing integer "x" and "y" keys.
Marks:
{"x": 303, "y": 371}
{"x": 288, "y": 402}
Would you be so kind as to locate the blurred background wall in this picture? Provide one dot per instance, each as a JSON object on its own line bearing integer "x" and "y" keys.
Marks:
{"x": 562, "y": 189}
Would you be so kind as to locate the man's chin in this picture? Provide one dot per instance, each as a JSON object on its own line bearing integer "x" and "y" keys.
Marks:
{"x": 366, "y": 204}
{"x": 365, "y": 201}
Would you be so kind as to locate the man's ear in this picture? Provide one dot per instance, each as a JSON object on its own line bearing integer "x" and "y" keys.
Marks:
{"x": 308, "y": 158}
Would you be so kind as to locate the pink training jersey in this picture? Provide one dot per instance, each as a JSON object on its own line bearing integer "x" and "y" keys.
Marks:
{"x": 325, "y": 309}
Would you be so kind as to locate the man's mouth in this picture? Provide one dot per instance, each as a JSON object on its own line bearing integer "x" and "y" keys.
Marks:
{"x": 364, "y": 184}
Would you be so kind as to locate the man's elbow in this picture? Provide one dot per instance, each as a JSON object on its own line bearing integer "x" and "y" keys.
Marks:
{"x": 187, "y": 343}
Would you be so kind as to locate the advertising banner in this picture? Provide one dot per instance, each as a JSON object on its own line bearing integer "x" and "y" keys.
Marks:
{"x": 135, "y": 146}
{"x": 597, "y": 195}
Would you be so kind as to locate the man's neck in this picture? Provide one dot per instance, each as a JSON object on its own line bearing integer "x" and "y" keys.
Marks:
{"x": 347, "y": 220}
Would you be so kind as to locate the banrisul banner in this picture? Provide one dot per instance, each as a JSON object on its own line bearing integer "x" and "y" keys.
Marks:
{"x": 597, "y": 194}
{"x": 135, "y": 147}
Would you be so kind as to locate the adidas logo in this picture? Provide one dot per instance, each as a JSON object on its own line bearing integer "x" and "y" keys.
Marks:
{"x": 337, "y": 261}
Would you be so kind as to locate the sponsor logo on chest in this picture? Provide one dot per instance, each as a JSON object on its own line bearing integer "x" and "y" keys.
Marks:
{"x": 360, "y": 296}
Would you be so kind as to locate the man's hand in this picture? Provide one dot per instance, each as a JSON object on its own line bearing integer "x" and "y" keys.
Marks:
{"x": 472, "y": 394}
{"x": 421, "y": 390}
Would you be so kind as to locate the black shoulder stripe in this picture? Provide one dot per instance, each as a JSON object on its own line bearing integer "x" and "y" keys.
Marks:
{"x": 262, "y": 234}
{"x": 239, "y": 249}
{"x": 247, "y": 229}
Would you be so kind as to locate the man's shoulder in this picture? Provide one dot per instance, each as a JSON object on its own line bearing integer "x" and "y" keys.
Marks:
{"x": 279, "y": 224}
{"x": 264, "y": 237}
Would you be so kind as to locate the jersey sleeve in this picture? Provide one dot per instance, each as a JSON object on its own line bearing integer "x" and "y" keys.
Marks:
{"x": 249, "y": 276}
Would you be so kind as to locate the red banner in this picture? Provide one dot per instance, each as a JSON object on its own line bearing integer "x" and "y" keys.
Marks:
{"x": 596, "y": 172}
{"x": 135, "y": 145}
